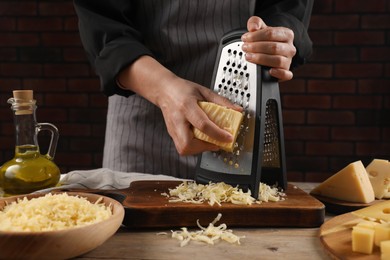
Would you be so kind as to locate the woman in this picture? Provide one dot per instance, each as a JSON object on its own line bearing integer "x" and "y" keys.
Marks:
{"x": 155, "y": 61}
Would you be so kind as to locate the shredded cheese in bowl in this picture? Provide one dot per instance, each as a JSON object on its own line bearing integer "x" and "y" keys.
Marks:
{"x": 52, "y": 212}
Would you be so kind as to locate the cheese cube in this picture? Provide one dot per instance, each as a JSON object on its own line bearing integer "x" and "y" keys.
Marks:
{"x": 362, "y": 240}
{"x": 385, "y": 247}
{"x": 379, "y": 174}
{"x": 382, "y": 233}
{"x": 349, "y": 184}
{"x": 385, "y": 256}
{"x": 227, "y": 119}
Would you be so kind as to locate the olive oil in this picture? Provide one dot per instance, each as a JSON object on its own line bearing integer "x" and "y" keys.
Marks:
{"x": 29, "y": 170}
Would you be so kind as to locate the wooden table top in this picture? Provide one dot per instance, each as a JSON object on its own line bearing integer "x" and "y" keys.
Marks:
{"x": 259, "y": 243}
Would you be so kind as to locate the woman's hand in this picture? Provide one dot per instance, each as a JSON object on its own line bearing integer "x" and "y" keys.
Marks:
{"x": 181, "y": 113}
{"x": 178, "y": 100}
{"x": 269, "y": 46}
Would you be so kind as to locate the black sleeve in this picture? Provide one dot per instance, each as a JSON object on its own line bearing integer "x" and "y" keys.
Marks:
{"x": 293, "y": 14}
{"x": 112, "y": 42}
{"x": 109, "y": 38}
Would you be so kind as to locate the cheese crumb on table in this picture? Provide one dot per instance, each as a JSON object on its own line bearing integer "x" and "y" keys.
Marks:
{"x": 52, "y": 212}
{"x": 208, "y": 235}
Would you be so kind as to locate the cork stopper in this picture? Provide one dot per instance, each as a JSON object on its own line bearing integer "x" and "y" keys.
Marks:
{"x": 23, "y": 101}
{"x": 23, "y": 95}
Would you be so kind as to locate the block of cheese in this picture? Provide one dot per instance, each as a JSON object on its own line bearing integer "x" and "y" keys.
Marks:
{"x": 382, "y": 233}
{"x": 379, "y": 211}
{"x": 379, "y": 174}
{"x": 362, "y": 240}
{"x": 368, "y": 224}
{"x": 225, "y": 118}
{"x": 349, "y": 184}
{"x": 385, "y": 247}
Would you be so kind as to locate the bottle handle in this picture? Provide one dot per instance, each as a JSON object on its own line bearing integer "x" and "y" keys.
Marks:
{"x": 54, "y": 138}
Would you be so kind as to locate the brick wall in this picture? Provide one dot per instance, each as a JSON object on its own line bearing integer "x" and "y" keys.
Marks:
{"x": 40, "y": 49}
{"x": 336, "y": 110}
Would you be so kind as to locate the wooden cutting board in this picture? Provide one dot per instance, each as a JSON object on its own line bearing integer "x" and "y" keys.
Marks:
{"x": 335, "y": 235}
{"x": 145, "y": 207}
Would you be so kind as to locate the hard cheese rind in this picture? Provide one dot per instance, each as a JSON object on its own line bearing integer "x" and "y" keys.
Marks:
{"x": 225, "y": 118}
{"x": 349, "y": 184}
{"x": 379, "y": 174}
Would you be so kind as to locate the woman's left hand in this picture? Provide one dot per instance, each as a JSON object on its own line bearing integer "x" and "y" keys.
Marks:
{"x": 269, "y": 46}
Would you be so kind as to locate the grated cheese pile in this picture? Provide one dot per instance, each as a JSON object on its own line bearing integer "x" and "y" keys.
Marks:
{"x": 207, "y": 235}
{"x": 52, "y": 212}
{"x": 191, "y": 192}
{"x": 268, "y": 193}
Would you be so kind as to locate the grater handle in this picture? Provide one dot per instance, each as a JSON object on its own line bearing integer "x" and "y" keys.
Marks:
{"x": 266, "y": 76}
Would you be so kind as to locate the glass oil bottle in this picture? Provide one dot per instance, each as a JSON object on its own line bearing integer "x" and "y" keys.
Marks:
{"x": 29, "y": 170}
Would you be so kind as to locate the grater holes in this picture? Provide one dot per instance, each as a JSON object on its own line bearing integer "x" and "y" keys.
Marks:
{"x": 233, "y": 84}
{"x": 271, "y": 151}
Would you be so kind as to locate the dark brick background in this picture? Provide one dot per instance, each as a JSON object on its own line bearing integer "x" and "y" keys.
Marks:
{"x": 336, "y": 110}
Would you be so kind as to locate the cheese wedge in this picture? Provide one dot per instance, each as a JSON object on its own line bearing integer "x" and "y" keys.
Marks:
{"x": 379, "y": 174}
{"x": 349, "y": 184}
{"x": 379, "y": 211}
{"x": 225, "y": 118}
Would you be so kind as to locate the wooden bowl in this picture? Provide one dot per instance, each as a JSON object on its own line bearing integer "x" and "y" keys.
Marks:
{"x": 61, "y": 244}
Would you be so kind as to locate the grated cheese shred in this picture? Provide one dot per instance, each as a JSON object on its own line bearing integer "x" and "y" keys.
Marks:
{"x": 268, "y": 193}
{"x": 52, "y": 212}
{"x": 208, "y": 235}
{"x": 217, "y": 193}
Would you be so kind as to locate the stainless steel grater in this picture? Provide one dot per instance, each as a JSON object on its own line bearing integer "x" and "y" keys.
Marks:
{"x": 258, "y": 154}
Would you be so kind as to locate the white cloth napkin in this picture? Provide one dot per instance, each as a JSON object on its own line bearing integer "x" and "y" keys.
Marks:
{"x": 104, "y": 179}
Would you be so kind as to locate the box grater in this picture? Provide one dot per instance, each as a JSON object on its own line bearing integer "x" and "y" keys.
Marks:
{"x": 258, "y": 154}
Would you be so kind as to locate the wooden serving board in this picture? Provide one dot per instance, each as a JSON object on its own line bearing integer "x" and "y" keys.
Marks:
{"x": 336, "y": 237}
{"x": 337, "y": 207}
{"x": 145, "y": 207}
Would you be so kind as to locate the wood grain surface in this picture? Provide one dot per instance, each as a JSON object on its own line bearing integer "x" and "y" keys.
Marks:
{"x": 336, "y": 237}
{"x": 145, "y": 207}
{"x": 259, "y": 243}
